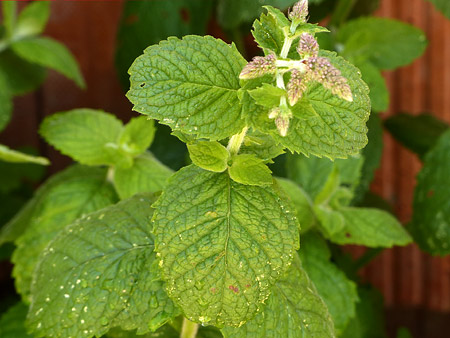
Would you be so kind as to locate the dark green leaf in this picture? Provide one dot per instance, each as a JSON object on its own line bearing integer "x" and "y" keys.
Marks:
{"x": 5, "y": 103}
{"x": 419, "y": 133}
{"x": 430, "y": 224}
{"x": 12, "y": 322}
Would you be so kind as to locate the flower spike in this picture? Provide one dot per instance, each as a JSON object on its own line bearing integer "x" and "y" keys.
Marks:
{"x": 296, "y": 86}
{"x": 299, "y": 12}
{"x": 258, "y": 67}
{"x": 307, "y": 46}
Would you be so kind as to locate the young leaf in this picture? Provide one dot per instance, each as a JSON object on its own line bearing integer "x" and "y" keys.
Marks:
{"x": 336, "y": 129}
{"x": 83, "y": 134}
{"x": 418, "y": 133}
{"x": 12, "y": 322}
{"x": 268, "y": 35}
{"x": 84, "y": 190}
{"x": 100, "y": 272}
{"x": 370, "y": 227}
{"x": 222, "y": 244}
{"x": 146, "y": 175}
{"x": 261, "y": 145}
{"x": 190, "y": 85}
{"x": 337, "y": 291}
{"x": 9, "y": 155}
{"x": 387, "y": 43}
{"x": 294, "y": 309}
{"x": 250, "y": 170}
{"x": 49, "y": 53}
{"x": 138, "y": 135}
{"x": 330, "y": 221}
{"x": 430, "y": 224}
{"x": 267, "y": 95}
{"x": 32, "y": 19}
{"x": 211, "y": 156}
{"x": 20, "y": 75}
{"x": 301, "y": 201}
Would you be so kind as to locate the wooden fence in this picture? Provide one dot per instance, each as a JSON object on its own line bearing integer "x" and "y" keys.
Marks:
{"x": 406, "y": 276}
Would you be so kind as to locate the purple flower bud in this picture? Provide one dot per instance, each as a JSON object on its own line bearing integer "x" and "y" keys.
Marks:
{"x": 299, "y": 12}
{"x": 296, "y": 86}
{"x": 321, "y": 70}
{"x": 259, "y": 66}
{"x": 307, "y": 46}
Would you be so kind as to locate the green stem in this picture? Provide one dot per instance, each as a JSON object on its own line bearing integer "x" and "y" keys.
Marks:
{"x": 189, "y": 329}
{"x": 341, "y": 12}
{"x": 236, "y": 141}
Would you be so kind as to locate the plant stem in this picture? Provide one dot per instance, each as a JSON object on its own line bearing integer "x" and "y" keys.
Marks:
{"x": 236, "y": 141}
{"x": 189, "y": 329}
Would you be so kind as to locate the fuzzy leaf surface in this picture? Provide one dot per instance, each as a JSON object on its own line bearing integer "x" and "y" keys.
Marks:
{"x": 333, "y": 127}
{"x": 431, "y": 218}
{"x": 337, "y": 291}
{"x": 82, "y": 190}
{"x": 191, "y": 85}
{"x": 100, "y": 273}
{"x": 210, "y": 156}
{"x": 222, "y": 244}
{"x": 83, "y": 134}
{"x": 293, "y": 310}
{"x": 370, "y": 227}
{"x": 387, "y": 43}
{"x": 50, "y": 53}
{"x": 146, "y": 175}
{"x": 251, "y": 170}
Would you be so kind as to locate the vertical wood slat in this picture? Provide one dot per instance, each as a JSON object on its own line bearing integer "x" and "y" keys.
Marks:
{"x": 406, "y": 276}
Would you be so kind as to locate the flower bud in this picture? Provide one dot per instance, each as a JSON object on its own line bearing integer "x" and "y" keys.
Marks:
{"x": 274, "y": 112}
{"x": 296, "y": 86}
{"x": 307, "y": 46}
{"x": 321, "y": 70}
{"x": 283, "y": 119}
{"x": 299, "y": 12}
{"x": 258, "y": 67}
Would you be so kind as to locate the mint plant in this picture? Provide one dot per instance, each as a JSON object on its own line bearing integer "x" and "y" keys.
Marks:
{"x": 119, "y": 245}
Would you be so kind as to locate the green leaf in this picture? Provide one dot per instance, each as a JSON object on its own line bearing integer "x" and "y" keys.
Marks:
{"x": 336, "y": 128}
{"x": 211, "y": 156}
{"x": 9, "y": 11}
{"x": 371, "y": 156}
{"x": 222, "y": 244}
{"x": 301, "y": 201}
{"x": 32, "y": 19}
{"x": 83, "y": 134}
{"x": 9, "y": 155}
{"x": 369, "y": 320}
{"x": 137, "y": 135}
{"x": 5, "y": 104}
{"x": 337, "y": 291}
{"x": 232, "y": 13}
{"x": 387, "y": 43}
{"x": 430, "y": 224}
{"x": 261, "y": 145}
{"x": 279, "y": 16}
{"x": 268, "y": 35}
{"x": 267, "y": 95}
{"x": 379, "y": 94}
{"x": 49, "y": 53}
{"x": 12, "y": 322}
{"x": 294, "y": 309}
{"x": 166, "y": 331}
{"x": 370, "y": 227}
{"x": 20, "y": 75}
{"x": 190, "y": 85}
{"x": 82, "y": 191}
{"x": 146, "y": 175}
{"x": 330, "y": 186}
{"x": 330, "y": 221}
{"x": 145, "y": 23}
{"x": 443, "y": 6}
{"x": 418, "y": 133}
{"x": 100, "y": 272}
{"x": 250, "y": 170}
